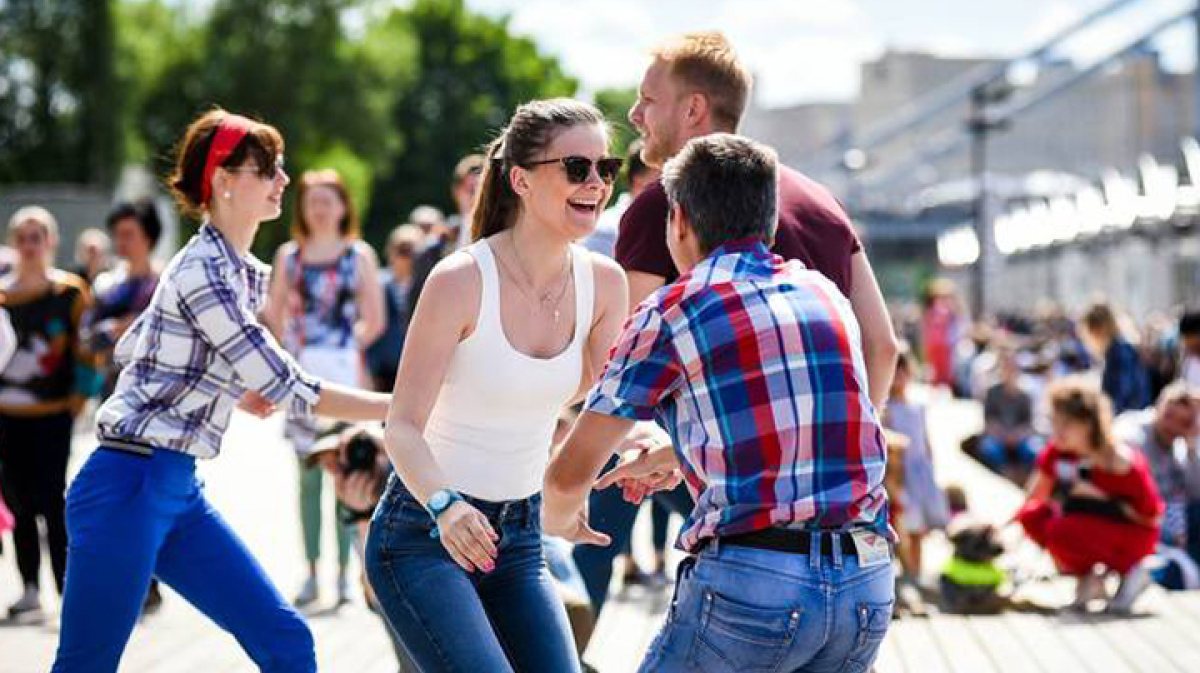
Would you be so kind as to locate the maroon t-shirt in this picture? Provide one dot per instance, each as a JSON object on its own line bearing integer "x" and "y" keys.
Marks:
{"x": 813, "y": 228}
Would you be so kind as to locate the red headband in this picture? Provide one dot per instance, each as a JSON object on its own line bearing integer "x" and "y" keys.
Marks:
{"x": 230, "y": 131}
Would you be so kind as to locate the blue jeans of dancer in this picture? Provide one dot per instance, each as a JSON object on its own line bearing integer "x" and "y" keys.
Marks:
{"x": 739, "y": 609}
{"x": 510, "y": 619}
{"x": 130, "y": 517}
{"x": 608, "y": 513}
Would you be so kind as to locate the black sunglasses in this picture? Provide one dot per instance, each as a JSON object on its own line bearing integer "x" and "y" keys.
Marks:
{"x": 579, "y": 168}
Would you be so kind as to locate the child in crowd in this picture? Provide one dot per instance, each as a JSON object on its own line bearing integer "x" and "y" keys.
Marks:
{"x": 923, "y": 503}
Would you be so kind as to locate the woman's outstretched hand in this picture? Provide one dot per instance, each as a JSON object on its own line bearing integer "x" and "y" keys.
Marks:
{"x": 253, "y": 403}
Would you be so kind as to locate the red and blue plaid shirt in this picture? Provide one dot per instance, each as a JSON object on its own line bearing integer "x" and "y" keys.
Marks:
{"x": 754, "y": 366}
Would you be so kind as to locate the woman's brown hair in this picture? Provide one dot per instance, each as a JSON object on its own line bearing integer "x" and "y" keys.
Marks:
{"x": 263, "y": 146}
{"x": 348, "y": 227}
{"x": 532, "y": 128}
{"x": 1077, "y": 399}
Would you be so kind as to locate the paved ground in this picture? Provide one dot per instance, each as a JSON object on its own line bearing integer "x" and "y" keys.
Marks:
{"x": 254, "y": 484}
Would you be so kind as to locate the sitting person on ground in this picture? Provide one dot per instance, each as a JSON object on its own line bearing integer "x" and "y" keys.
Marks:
{"x": 1008, "y": 446}
{"x": 1167, "y": 438}
{"x": 1092, "y": 501}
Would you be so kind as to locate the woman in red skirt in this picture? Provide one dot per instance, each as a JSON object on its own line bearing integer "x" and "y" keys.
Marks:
{"x": 1092, "y": 502}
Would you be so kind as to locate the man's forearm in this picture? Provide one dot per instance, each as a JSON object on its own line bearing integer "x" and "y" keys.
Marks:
{"x": 573, "y": 470}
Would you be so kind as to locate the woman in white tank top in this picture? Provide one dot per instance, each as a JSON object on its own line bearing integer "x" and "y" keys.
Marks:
{"x": 506, "y": 332}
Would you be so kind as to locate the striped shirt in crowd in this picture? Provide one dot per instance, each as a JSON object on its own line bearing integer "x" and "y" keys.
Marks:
{"x": 754, "y": 366}
{"x": 196, "y": 350}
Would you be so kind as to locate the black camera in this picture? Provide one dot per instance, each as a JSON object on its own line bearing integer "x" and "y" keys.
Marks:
{"x": 360, "y": 454}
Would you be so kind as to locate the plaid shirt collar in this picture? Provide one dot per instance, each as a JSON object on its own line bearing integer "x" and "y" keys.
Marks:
{"x": 216, "y": 246}
{"x": 727, "y": 261}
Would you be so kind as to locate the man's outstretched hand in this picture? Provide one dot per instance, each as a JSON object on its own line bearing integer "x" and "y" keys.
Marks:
{"x": 643, "y": 475}
{"x": 575, "y": 529}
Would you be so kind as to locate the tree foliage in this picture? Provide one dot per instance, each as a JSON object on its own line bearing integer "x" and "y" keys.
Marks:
{"x": 390, "y": 96}
{"x": 471, "y": 73}
{"x": 57, "y": 85}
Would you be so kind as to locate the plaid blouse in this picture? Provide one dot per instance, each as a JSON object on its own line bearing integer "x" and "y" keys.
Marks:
{"x": 754, "y": 366}
{"x": 196, "y": 349}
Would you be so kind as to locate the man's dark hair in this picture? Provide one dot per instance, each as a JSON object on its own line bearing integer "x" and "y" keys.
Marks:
{"x": 1189, "y": 324}
{"x": 726, "y": 186}
{"x": 143, "y": 212}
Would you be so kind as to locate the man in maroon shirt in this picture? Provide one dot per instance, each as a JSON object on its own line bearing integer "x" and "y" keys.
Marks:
{"x": 696, "y": 86}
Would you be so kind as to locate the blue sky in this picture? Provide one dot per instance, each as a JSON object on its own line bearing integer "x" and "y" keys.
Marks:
{"x": 810, "y": 50}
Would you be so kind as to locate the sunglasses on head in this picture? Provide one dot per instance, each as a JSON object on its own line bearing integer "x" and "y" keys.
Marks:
{"x": 579, "y": 168}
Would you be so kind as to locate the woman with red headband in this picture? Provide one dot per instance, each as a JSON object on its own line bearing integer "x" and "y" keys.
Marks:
{"x": 137, "y": 509}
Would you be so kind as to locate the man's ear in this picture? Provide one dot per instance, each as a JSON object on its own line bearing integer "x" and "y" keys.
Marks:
{"x": 698, "y": 109}
{"x": 680, "y": 229}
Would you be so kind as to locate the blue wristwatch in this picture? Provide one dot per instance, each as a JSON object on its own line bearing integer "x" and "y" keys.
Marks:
{"x": 440, "y": 501}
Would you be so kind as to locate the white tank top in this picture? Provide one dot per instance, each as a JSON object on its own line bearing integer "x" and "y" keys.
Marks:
{"x": 493, "y": 423}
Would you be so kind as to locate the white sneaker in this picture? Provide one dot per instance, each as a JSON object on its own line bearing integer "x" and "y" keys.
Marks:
{"x": 307, "y": 594}
{"x": 343, "y": 588}
{"x": 1133, "y": 583}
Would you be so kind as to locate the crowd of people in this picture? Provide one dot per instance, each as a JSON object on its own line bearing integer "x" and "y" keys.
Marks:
{"x": 714, "y": 343}
{"x": 1098, "y": 422}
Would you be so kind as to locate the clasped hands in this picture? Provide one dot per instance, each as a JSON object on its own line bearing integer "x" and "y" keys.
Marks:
{"x": 648, "y": 465}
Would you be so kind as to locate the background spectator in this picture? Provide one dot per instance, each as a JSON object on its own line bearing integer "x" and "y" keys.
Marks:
{"x": 1123, "y": 377}
{"x": 1092, "y": 501}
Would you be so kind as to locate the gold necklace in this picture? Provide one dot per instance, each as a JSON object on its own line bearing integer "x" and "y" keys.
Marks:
{"x": 547, "y": 301}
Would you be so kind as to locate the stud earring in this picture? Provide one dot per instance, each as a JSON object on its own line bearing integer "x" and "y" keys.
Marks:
{"x": 227, "y": 195}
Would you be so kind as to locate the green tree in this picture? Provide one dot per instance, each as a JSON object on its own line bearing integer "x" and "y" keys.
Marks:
{"x": 615, "y": 104}
{"x": 470, "y": 75}
{"x": 57, "y": 85}
{"x": 151, "y": 37}
{"x": 291, "y": 64}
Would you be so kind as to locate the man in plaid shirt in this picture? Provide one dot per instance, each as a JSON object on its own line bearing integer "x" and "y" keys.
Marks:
{"x": 753, "y": 365}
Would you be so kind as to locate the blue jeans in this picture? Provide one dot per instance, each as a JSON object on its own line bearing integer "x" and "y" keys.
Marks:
{"x": 751, "y": 610}
{"x": 510, "y": 619}
{"x": 608, "y": 513}
{"x": 131, "y": 517}
{"x": 997, "y": 455}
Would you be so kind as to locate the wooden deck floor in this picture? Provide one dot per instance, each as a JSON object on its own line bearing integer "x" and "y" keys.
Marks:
{"x": 1163, "y": 637}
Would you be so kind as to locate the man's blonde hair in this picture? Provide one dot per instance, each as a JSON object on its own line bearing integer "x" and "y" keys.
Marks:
{"x": 706, "y": 63}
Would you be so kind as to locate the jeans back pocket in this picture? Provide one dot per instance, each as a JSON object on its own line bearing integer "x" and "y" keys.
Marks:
{"x": 873, "y": 622}
{"x": 734, "y": 636}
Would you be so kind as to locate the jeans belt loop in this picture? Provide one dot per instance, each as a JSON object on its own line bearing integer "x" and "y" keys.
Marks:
{"x": 836, "y": 548}
{"x": 814, "y": 549}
